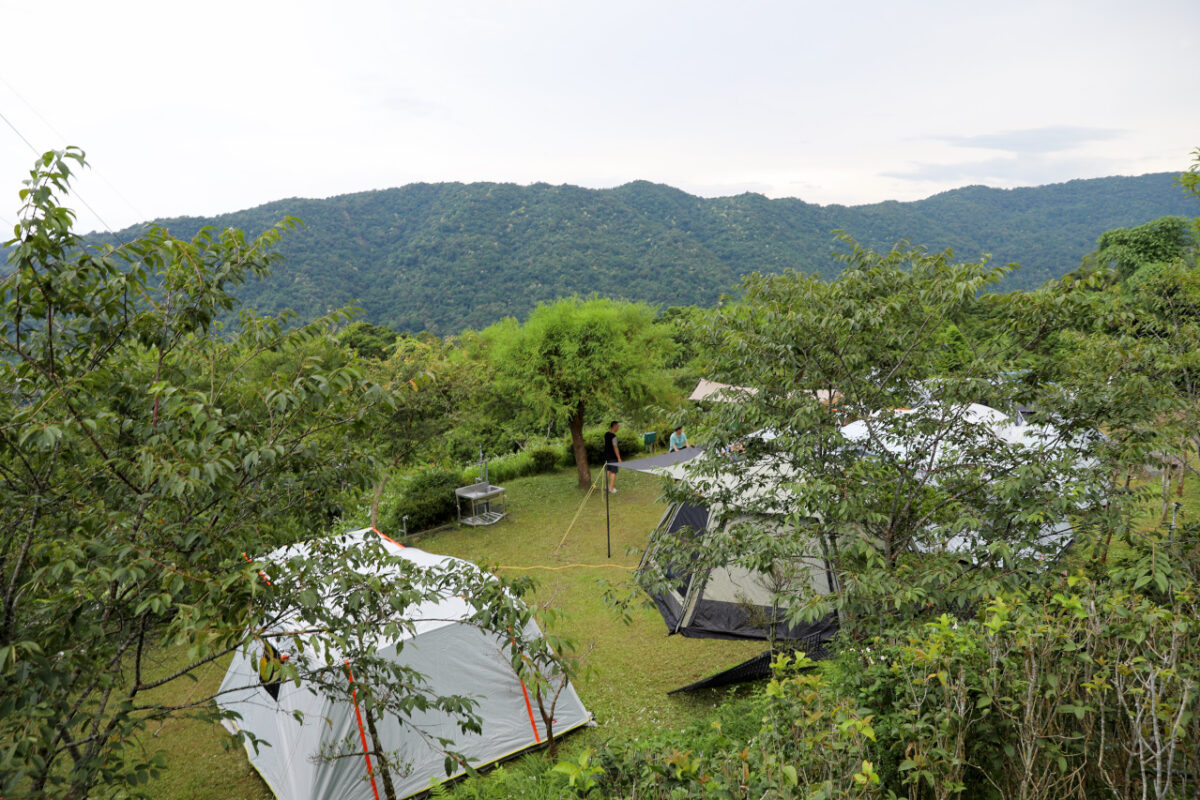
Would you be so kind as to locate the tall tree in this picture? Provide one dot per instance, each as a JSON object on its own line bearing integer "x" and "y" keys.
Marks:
{"x": 1126, "y": 251}
{"x": 144, "y": 463}
{"x": 922, "y": 469}
{"x": 575, "y": 355}
{"x": 1149, "y": 332}
{"x": 369, "y": 341}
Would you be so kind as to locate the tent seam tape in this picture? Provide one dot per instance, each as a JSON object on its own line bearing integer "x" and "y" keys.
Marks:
{"x": 390, "y": 539}
{"x": 529, "y": 707}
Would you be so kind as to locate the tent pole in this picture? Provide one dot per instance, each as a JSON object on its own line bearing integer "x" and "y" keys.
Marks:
{"x": 607, "y": 517}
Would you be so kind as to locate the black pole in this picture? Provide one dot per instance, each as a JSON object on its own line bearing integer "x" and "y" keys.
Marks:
{"x": 607, "y": 518}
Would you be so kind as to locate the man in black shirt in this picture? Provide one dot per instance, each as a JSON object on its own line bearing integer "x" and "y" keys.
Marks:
{"x": 612, "y": 453}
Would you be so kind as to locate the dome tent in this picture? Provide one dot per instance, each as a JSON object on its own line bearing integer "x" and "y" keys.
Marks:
{"x": 729, "y": 601}
{"x": 304, "y": 732}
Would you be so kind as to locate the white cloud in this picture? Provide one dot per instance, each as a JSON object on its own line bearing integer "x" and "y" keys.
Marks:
{"x": 1050, "y": 139}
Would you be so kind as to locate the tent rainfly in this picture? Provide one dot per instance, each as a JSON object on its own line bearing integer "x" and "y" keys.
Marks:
{"x": 714, "y": 392}
{"x": 720, "y": 392}
{"x": 456, "y": 658}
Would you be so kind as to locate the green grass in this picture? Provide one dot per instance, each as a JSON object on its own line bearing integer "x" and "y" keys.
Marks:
{"x": 631, "y": 666}
{"x": 635, "y": 665}
{"x": 1147, "y": 518}
{"x": 1151, "y": 516}
{"x": 202, "y": 760}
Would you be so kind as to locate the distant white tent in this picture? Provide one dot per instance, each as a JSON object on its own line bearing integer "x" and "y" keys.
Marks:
{"x": 714, "y": 392}
{"x": 456, "y": 658}
{"x": 720, "y": 392}
{"x": 988, "y": 422}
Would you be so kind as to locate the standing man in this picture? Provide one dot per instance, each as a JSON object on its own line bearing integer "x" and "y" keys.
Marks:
{"x": 678, "y": 439}
{"x": 612, "y": 453}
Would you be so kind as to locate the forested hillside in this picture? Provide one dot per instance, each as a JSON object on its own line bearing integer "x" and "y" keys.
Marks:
{"x": 441, "y": 257}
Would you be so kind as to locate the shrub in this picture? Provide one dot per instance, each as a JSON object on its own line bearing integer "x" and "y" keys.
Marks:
{"x": 500, "y": 469}
{"x": 1082, "y": 689}
{"x": 791, "y": 738}
{"x": 428, "y": 500}
{"x": 545, "y": 459}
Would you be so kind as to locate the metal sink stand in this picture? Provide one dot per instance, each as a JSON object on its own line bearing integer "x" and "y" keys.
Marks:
{"x": 481, "y": 500}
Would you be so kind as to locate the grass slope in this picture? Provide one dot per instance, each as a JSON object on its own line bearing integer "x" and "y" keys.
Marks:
{"x": 634, "y": 666}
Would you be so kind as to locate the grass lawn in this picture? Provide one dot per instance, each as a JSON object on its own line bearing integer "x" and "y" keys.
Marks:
{"x": 632, "y": 666}
{"x": 198, "y": 763}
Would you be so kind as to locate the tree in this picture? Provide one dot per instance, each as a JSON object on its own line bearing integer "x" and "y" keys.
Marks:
{"x": 1151, "y": 327}
{"x": 921, "y": 471}
{"x": 369, "y": 341}
{"x": 1126, "y": 251}
{"x": 575, "y": 355}
{"x": 1141, "y": 338}
{"x": 146, "y": 457}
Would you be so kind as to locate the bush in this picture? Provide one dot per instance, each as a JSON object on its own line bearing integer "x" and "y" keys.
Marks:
{"x": 1082, "y": 689}
{"x": 500, "y": 469}
{"x": 545, "y": 459}
{"x": 791, "y": 738}
{"x": 428, "y": 501}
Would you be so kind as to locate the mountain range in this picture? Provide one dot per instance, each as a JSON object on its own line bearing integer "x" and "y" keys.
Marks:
{"x": 443, "y": 257}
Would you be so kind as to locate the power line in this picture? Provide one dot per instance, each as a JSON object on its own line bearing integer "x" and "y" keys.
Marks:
{"x": 17, "y": 132}
{"x": 58, "y": 133}
{"x": 98, "y": 173}
{"x": 76, "y": 193}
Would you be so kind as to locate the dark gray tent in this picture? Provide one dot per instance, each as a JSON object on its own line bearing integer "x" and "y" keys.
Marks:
{"x": 729, "y": 602}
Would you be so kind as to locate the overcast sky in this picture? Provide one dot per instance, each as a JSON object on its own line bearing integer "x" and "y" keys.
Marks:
{"x": 202, "y": 108}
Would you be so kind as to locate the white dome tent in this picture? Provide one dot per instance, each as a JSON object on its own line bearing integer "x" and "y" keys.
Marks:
{"x": 301, "y": 724}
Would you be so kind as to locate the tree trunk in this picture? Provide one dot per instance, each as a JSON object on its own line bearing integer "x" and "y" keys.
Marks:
{"x": 383, "y": 768}
{"x": 548, "y": 718}
{"x": 579, "y": 448}
{"x": 379, "y": 487}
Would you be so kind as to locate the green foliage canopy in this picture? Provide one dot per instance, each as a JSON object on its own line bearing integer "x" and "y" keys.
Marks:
{"x": 575, "y": 355}
{"x": 448, "y": 256}
{"x": 145, "y": 464}
{"x": 1128, "y": 250}
{"x": 922, "y": 469}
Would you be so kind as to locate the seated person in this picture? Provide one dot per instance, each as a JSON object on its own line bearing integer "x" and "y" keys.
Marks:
{"x": 678, "y": 439}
